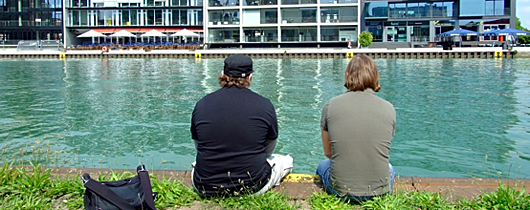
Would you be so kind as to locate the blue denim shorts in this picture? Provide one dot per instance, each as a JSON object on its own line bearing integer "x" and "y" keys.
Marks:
{"x": 323, "y": 172}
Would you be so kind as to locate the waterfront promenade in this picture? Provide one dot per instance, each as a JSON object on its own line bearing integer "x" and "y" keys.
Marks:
{"x": 464, "y": 52}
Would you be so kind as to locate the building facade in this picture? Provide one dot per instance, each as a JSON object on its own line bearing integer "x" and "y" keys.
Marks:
{"x": 280, "y": 22}
{"x": 31, "y": 20}
{"x": 266, "y": 23}
{"x": 135, "y": 16}
{"x": 421, "y": 21}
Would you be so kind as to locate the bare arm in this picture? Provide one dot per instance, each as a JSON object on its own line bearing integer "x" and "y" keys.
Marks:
{"x": 325, "y": 143}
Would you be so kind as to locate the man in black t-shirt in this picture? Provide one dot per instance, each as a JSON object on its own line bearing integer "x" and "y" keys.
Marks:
{"x": 235, "y": 132}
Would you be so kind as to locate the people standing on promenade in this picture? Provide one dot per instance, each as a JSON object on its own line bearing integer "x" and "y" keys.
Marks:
{"x": 235, "y": 132}
{"x": 349, "y": 44}
{"x": 357, "y": 127}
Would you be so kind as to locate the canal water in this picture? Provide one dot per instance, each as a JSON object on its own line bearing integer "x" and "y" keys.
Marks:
{"x": 455, "y": 117}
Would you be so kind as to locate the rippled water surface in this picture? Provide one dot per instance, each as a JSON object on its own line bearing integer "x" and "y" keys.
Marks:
{"x": 455, "y": 117}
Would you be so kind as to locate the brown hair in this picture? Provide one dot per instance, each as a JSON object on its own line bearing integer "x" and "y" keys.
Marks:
{"x": 226, "y": 81}
{"x": 361, "y": 73}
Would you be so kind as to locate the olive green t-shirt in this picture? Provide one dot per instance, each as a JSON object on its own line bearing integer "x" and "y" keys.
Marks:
{"x": 360, "y": 126}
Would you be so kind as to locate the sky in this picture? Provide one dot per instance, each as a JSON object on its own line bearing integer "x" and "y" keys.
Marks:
{"x": 523, "y": 12}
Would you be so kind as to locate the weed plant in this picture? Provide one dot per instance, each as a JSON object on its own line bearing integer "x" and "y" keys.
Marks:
{"x": 270, "y": 200}
{"x": 324, "y": 201}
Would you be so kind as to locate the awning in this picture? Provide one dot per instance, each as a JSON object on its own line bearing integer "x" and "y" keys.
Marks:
{"x": 142, "y": 30}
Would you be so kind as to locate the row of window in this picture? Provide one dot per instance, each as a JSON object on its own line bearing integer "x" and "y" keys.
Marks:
{"x": 436, "y": 9}
{"x": 408, "y": 10}
{"x": 413, "y": 31}
{"x": 287, "y": 15}
{"x": 134, "y": 3}
{"x": 16, "y": 5}
{"x": 288, "y": 34}
{"x": 211, "y": 3}
{"x": 169, "y": 17}
{"x": 175, "y": 17}
{"x": 231, "y": 3}
{"x": 35, "y": 18}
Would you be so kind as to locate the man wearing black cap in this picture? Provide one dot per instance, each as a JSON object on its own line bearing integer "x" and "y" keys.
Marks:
{"x": 235, "y": 131}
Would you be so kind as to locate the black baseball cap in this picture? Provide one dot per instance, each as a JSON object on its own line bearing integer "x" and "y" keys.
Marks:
{"x": 238, "y": 66}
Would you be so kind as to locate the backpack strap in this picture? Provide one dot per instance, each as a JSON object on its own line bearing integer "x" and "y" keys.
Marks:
{"x": 146, "y": 186}
{"x": 104, "y": 192}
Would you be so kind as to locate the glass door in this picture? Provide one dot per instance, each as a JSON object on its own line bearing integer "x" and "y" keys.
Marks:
{"x": 396, "y": 33}
{"x": 401, "y": 33}
{"x": 390, "y": 34}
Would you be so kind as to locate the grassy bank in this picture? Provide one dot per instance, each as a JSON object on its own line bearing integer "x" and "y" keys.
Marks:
{"x": 36, "y": 188}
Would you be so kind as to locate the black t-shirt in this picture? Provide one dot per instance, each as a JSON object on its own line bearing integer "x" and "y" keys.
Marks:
{"x": 231, "y": 126}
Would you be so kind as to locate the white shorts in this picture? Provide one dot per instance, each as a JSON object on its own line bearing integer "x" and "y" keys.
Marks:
{"x": 281, "y": 166}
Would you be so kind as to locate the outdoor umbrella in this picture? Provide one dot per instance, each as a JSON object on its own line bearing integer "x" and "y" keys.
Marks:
{"x": 93, "y": 34}
{"x": 122, "y": 33}
{"x": 458, "y": 32}
{"x": 185, "y": 33}
{"x": 153, "y": 33}
{"x": 506, "y": 32}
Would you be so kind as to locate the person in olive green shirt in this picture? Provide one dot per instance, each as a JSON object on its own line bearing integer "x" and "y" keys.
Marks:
{"x": 357, "y": 128}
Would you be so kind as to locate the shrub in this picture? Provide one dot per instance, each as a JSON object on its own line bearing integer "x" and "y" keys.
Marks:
{"x": 365, "y": 39}
{"x": 524, "y": 39}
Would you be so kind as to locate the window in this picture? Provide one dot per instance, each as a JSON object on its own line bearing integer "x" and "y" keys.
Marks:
{"x": 442, "y": 9}
{"x": 220, "y": 3}
{"x": 398, "y": 10}
{"x": 299, "y": 34}
{"x": 125, "y": 18}
{"x": 269, "y": 16}
{"x": 83, "y": 18}
{"x": 376, "y": 9}
{"x": 223, "y": 17}
{"x": 494, "y": 7}
{"x": 227, "y": 35}
{"x": 299, "y": 15}
{"x": 472, "y": 7}
{"x": 183, "y": 17}
{"x": 376, "y": 28}
{"x": 338, "y": 34}
{"x": 259, "y": 2}
{"x": 134, "y": 17}
{"x": 260, "y": 34}
{"x": 413, "y": 10}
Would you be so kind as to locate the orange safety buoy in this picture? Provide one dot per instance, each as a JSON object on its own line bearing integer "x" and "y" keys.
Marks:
{"x": 104, "y": 49}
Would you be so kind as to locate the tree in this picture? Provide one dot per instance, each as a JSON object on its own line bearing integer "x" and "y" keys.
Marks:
{"x": 365, "y": 39}
{"x": 518, "y": 26}
{"x": 524, "y": 39}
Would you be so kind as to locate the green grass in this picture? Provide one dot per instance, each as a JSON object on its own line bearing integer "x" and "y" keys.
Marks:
{"x": 34, "y": 187}
{"x": 269, "y": 201}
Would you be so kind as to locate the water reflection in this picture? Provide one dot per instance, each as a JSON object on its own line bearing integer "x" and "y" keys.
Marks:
{"x": 455, "y": 117}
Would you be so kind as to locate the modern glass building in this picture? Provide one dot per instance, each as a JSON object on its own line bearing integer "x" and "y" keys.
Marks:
{"x": 31, "y": 20}
{"x": 271, "y": 23}
{"x": 135, "y": 16}
{"x": 421, "y": 21}
{"x": 265, "y": 23}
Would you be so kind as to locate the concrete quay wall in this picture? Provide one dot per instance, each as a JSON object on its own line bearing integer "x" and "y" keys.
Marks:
{"x": 415, "y": 53}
